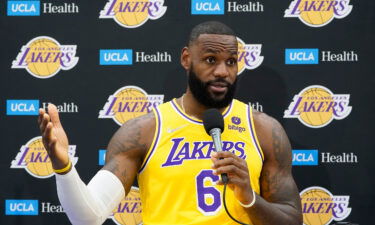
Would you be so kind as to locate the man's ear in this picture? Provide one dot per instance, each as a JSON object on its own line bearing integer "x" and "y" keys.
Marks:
{"x": 185, "y": 58}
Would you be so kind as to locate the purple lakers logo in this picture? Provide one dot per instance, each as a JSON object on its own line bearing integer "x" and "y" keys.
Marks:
{"x": 249, "y": 56}
{"x": 128, "y": 212}
{"x": 316, "y": 106}
{"x": 129, "y": 102}
{"x": 318, "y": 13}
{"x": 34, "y": 159}
{"x": 133, "y": 13}
{"x": 43, "y": 57}
{"x": 182, "y": 150}
{"x": 319, "y": 206}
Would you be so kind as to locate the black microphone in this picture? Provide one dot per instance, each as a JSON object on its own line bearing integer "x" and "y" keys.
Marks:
{"x": 213, "y": 123}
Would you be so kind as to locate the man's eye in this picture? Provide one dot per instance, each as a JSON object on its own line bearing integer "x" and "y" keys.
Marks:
{"x": 232, "y": 62}
{"x": 210, "y": 60}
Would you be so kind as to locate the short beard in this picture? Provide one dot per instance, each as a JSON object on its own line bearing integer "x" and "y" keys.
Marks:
{"x": 199, "y": 89}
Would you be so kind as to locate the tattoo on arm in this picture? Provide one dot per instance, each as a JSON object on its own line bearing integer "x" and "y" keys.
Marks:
{"x": 277, "y": 182}
{"x": 127, "y": 149}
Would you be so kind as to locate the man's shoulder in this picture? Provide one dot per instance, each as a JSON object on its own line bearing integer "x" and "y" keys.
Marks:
{"x": 143, "y": 122}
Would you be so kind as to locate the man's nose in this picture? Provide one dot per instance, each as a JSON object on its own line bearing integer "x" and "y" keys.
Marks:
{"x": 221, "y": 70}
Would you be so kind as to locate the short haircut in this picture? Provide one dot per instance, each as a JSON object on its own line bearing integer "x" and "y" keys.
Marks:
{"x": 209, "y": 27}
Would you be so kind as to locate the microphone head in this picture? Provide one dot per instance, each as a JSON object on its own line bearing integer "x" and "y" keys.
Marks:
{"x": 212, "y": 118}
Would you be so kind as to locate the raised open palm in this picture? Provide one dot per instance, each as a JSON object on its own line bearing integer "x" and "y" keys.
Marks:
{"x": 54, "y": 137}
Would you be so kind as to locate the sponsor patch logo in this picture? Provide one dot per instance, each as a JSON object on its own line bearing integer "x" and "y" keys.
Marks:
{"x": 316, "y": 106}
{"x": 320, "y": 206}
{"x": 23, "y": 8}
{"x": 128, "y": 212}
{"x": 43, "y": 57}
{"x": 34, "y": 159}
{"x": 249, "y": 56}
{"x": 305, "y": 157}
{"x": 207, "y": 7}
{"x": 236, "y": 124}
{"x": 236, "y": 120}
{"x": 129, "y": 102}
{"x": 22, "y": 107}
{"x": 132, "y": 14}
{"x": 302, "y": 56}
{"x": 318, "y": 13}
{"x": 21, "y": 207}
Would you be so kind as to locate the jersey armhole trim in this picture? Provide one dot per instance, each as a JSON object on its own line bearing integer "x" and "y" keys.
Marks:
{"x": 155, "y": 140}
{"x": 253, "y": 132}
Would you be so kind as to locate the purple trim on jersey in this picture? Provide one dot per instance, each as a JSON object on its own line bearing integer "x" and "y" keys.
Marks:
{"x": 182, "y": 114}
{"x": 156, "y": 140}
{"x": 252, "y": 133}
{"x": 197, "y": 121}
{"x": 229, "y": 108}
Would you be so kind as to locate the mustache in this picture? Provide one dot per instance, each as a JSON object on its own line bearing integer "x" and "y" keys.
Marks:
{"x": 219, "y": 81}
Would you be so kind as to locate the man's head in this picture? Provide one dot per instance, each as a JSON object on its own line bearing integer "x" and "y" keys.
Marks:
{"x": 210, "y": 60}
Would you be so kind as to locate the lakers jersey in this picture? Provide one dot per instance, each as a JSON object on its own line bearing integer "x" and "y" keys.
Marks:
{"x": 176, "y": 182}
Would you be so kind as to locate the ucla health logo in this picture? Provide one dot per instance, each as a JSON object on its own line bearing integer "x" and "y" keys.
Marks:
{"x": 102, "y": 153}
{"x": 22, "y": 107}
{"x": 320, "y": 206}
{"x": 316, "y": 106}
{"x": 132, "y": 14}
{"x": 23, "y": 8}
{"x": 207, "y": 7}
{"x": 34, "y": 159}
{"x": 116, "y": 57}
{"x": 301, "y": 56}
{"x": 305, "y": 157}
{"x": 318, "y": 13}
{"x": 249, "y": 56}
{"x": 21, "y": 207}
{"x": 129, "y": 102}
{"x": 43, "y": 57}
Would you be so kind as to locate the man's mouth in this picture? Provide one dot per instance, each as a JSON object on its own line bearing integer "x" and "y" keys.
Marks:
{"x": 218, "y": 86}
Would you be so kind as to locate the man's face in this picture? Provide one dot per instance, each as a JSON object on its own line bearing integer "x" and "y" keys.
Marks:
{"x": 213, "y": 69}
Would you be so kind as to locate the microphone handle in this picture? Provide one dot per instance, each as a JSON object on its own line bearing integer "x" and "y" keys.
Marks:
{"x": 216, "y": 137}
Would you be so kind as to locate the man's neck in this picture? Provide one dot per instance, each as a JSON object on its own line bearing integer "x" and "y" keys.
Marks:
{"x": 192, "y": 107}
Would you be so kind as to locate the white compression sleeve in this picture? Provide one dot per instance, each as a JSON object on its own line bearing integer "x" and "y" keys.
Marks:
{"x": 91, "y": 204}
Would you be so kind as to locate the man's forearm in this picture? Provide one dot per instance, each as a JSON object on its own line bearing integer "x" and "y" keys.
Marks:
{"x": 266, "y": 213}
{"x": 91, "y": 204}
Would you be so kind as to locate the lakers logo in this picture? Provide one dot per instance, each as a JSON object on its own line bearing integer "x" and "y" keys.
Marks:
{"x": 316, "y": 106}
{"x": 133, "y": 13}
{"x": 129, "y": 210}
{"x": 43, "y": 57}
{"x": 34, "y": 159}
{"x": 320, "y": 207}
{"x": 248, "y": 56}
{"x": 318, "y": 13}
{"x": 129, "y": 102}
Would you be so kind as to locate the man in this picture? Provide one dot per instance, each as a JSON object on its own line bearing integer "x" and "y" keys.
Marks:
{"x": 174, "y": 159}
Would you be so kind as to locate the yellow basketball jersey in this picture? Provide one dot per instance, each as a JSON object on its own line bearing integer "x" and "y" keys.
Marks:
{"x": 176, "y": 182}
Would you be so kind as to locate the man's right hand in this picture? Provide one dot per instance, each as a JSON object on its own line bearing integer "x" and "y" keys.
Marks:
{"x": 54, "y": 138}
